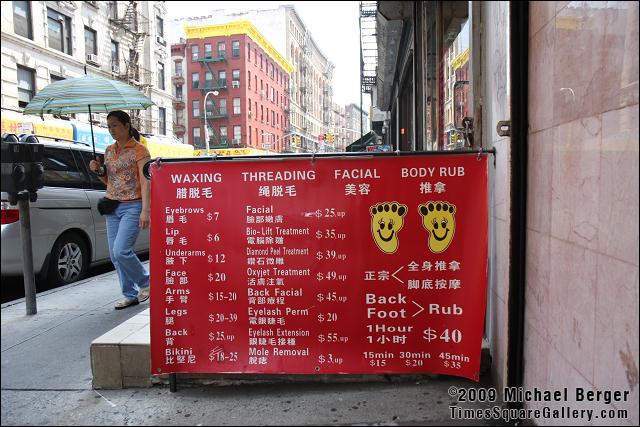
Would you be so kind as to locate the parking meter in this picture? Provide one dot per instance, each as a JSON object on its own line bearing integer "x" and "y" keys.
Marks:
{"x": 22, "y": 168}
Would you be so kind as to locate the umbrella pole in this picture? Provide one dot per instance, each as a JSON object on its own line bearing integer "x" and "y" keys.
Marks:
{"x": 93, "y": 144}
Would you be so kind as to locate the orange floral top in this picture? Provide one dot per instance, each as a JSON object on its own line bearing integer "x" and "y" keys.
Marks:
{"x": 122, "y": 170}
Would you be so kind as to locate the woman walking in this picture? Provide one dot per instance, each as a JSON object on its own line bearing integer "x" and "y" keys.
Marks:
{"x": 126, "y": 183}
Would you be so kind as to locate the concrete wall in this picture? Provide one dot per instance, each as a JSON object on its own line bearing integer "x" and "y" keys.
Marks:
{"x": 495, "y": 101}
{"x": 582, "y": 222}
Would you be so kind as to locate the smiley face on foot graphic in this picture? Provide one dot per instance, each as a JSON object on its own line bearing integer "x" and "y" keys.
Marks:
{"x": 387, "y": 219}
{"x": 439, "y": 220}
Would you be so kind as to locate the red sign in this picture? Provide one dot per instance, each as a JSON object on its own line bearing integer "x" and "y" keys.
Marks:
{"x": 325, "y": 265}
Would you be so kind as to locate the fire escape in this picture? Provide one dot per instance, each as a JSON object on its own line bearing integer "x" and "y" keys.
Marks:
{"x": 368, "y": 52}
{"x": 327, "y": 101}
{"x": 214, "y": 101}
{"x": 305, "y": 88}
{"x": 137, "y": 27}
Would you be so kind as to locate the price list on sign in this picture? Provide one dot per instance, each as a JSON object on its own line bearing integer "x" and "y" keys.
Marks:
{"x": 326, "y": 265}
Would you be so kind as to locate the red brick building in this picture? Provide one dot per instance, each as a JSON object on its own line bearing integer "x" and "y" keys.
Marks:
{"x": 245, "y": 83}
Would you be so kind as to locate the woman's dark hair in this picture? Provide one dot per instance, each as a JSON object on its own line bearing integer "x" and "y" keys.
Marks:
{"x": 125, "y": 119}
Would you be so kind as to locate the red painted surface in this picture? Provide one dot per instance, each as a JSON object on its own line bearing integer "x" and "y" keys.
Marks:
{"x": 319, "y": 266}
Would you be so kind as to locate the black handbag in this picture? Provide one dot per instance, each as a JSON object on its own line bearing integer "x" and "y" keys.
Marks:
{"x": 107, "y": 206}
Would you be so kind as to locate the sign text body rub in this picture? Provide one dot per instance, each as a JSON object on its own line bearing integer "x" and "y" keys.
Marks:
{"x": 330, "y": 265}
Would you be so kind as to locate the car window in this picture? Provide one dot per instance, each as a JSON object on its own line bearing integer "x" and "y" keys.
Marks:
{"x": 84, "y": 157}
{"x": 60, "y": 169}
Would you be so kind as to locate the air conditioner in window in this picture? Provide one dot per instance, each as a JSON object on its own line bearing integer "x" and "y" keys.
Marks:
{"x": 235, "y": 83}
{"x": 160, "y": 40}
{"x": 92, "y": 58}
{"x": 250, "y": 114}
{"x": 115, "y": 69}
{"x": 262, "y": 94}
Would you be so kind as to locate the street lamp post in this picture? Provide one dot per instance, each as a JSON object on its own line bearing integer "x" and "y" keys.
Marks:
{"x": 206, "y": 127}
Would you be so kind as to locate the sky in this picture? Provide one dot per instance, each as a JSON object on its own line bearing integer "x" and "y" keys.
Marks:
{"x": 334, "y": 26}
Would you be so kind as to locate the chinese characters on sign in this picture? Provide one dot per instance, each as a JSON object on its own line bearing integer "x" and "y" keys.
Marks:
{"x": 325, "y": 265}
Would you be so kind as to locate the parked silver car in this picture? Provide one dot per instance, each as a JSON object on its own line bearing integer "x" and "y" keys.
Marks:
{"x": 67, "y": 232}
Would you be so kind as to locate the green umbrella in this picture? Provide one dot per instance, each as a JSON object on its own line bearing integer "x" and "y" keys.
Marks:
{"x": 87, "y": 94}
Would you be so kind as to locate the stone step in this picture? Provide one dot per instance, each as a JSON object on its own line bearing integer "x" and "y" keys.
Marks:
{"x": 121, "y": 358}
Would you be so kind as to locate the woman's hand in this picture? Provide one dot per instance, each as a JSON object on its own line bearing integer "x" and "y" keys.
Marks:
{"x": 95, "y": 165}
{"x": 145, "y": 219}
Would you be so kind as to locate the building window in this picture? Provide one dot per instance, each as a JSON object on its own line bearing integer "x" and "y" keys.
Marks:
{"x": 209, "y": 106}
{"x": 162, "y": 121}
{"x": 178, "y": 68}
{"x": 196, "y": 138}
{"x": 236, "y": 105}
{"x": 195, "y": 108}
{"x": 22, "y": 19}
{"x": 223, "y": 107}
{"x": 161, "y": 75}
{"x": 208, "y": 79}
{"x": 90, "y": 44}
{"x": 179, "y": 93}
{"x": 222, "y": 78}
{"x": 195, "y": 80}
{"x": 59, "y": 31}
{"x": 207, "y": 50}
{"x": 223, "y": 134}
{"x": 248, "y": 51}
{"x": 235, "y": 49}
{"x": 112, "y": 7}
{"x": 235, "y": 75}
{"x": 222, "y": 50}
{"x": 237, "y": 134}
{"x": 195, "y": 49}
{"x": 115, "y": 54}
{"x": 249, "y": 80}
{"x": 26, "y": 86}
{"x": 160, "y": 26}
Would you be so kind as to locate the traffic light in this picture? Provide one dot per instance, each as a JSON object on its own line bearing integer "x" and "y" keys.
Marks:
{"x": 22, "y": 167}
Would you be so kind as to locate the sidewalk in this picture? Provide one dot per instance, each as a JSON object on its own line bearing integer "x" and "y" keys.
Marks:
{"x": 47, "y": 379}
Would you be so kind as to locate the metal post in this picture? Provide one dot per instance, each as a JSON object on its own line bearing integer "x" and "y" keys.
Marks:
{"x": 206, "y": 127}
{"x": 173, "y": 386}
{"x": 361, "y": 70}
{"x": 27, "y": 254}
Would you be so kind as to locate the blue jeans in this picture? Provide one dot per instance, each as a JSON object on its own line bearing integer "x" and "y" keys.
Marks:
{"x": 122, "y": 232}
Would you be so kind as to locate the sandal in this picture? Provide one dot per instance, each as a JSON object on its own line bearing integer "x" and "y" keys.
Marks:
{"x": 143, "y": 295}
{"x": 127, "y": 302}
